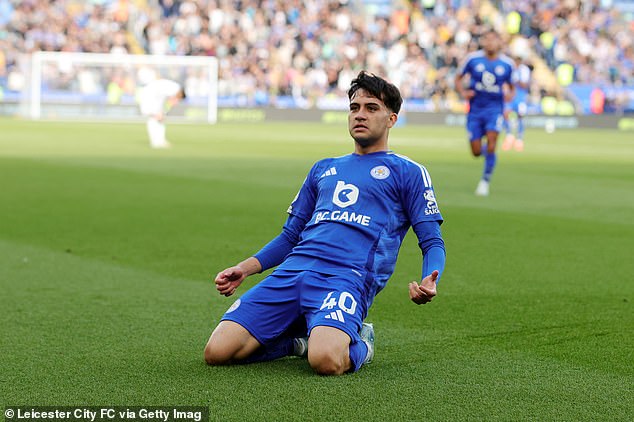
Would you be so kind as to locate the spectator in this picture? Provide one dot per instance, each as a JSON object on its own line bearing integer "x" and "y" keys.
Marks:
{"x": 270, "y": 51}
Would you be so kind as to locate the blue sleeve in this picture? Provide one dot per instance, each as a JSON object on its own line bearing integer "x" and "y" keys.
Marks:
{"x": 274, "y": 252}
{"x": 299, "y": 213}
{"x": 303, "y": 204}
{"x": 418, "y": 198}
{"x": 433, "y": 247}
{"x": 510, "y": 75}
{"x": 464, "y": 67}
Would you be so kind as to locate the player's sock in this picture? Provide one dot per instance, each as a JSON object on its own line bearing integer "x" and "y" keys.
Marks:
{"x": 519, "y": 142}
{"x": 489, "y": 165}
{"x": 278, "y": 349}
{"x": 152, "y": 127}
{"x": 161, "y": 132}
{"x": 520, "y": 128}
{"x": 362, "y": 352}
{"x": 358, "y": 354}
{"x": 156, "y": 131}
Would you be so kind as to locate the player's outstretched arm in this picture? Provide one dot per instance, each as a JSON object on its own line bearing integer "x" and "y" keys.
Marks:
{"x": 227, "y": 281}
{"x": 467, "y": 94}
{"x": 425, "y": 291}
{"x": 509, "y": 91}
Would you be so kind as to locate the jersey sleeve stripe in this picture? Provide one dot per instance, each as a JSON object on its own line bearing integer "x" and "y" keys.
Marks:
{"x": 425, "y": 175}
{"x": 461, "y": 67}
{"x": 507, "y": 60}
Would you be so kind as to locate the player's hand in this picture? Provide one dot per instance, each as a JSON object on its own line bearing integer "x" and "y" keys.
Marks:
{"x": 425, "y": 291}
{"x": 469, "y": 94}
{"x": 227, "y": 281}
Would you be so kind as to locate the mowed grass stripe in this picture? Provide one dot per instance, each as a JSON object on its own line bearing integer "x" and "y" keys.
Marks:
{"x": 155, "y": 221}
{"x": 114, "y": 302}
{"x": 77, "y": 330}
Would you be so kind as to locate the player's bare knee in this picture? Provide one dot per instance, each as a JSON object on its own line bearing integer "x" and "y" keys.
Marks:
{"x": 326, "y": 362}
{"x": 229, "y": 343}
{"x": 215, "y": 355}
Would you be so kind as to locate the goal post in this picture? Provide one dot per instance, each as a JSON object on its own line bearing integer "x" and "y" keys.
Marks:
{"x": 93, "y": 86}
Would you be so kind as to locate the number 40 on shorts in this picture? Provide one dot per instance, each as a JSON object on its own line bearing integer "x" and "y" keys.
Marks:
{"x": 345, "y": 302}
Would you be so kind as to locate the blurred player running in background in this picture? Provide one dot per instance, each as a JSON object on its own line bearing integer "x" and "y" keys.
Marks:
{"x": 489, "y": 84}
{"x": 156, "y": 100}
{"x": 515, "y": 129}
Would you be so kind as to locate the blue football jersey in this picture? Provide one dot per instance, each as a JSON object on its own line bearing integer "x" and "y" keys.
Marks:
{"x": 487, "y": 78}
{"x": 521, "y": 76}
{"x": 358, "y": 209}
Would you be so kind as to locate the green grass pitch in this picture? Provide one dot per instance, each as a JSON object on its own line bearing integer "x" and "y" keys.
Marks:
{"x": 108, "y": 249}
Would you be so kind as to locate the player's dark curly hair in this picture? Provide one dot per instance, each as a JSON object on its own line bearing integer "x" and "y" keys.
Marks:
{"x": 377, "y": 87}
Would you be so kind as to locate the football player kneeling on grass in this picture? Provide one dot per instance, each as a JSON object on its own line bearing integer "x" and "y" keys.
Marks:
{"x": 336, "y": 251}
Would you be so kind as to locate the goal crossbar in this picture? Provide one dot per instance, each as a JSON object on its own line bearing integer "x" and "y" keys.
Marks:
{"x": 122, "y": 61}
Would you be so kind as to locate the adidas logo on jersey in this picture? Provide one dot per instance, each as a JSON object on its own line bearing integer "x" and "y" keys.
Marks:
{"x": 330, "y": 172}
{"x": 336, "y": 315}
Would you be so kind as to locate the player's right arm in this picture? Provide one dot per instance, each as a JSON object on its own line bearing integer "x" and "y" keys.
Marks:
{"x": 228, "y": 280}
{"x": 509, "y": 92}
{"x": 274, "y": 252}
{"x": 299, "y": 214}
{"x": 271, "y": 255}
{"x": 465, "y": 93}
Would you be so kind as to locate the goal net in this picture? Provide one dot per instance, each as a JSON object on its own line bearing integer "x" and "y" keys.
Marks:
{"x": 88, "y": 86}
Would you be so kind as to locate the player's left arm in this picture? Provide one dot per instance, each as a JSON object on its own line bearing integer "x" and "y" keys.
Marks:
{"x": 433, "y": 247}
{"x": 420, "y": 202}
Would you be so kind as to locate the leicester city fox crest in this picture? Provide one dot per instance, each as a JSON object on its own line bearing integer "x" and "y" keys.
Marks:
{"x": 380, "y": 172}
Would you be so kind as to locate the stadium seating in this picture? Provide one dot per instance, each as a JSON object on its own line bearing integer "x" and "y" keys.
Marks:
{"x": 304, "y": 54}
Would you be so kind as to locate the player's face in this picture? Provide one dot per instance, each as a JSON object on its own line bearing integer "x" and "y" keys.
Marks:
{"x": 490, "y": 43}
{"x": 369, "y": 119}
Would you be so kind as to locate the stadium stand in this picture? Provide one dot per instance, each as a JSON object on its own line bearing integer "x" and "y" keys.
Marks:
{"x": 304, "y": 53}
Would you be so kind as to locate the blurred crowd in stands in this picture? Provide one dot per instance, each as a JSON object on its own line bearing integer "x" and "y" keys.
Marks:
{"x": 304, "y": 53}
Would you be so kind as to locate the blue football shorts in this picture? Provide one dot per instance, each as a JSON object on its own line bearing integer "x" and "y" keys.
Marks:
{"x": 518, "y": 105}
{"x": 479, "y": 123}
{"x": 293, "y": 303}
